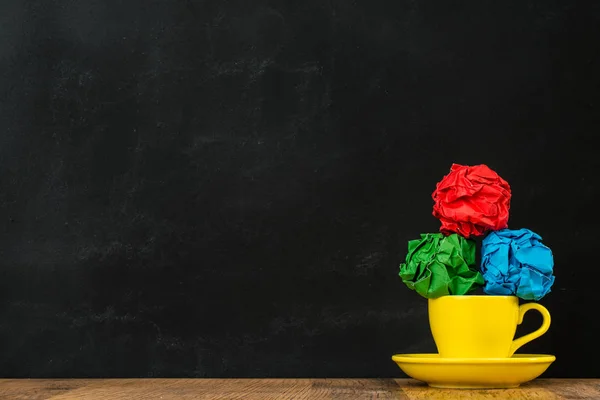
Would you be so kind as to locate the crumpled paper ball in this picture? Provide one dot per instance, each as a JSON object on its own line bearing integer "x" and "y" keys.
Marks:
{"x": 438, "y": 265}
{"x": 515, "y": 262}
{"x": 471, "y": 201}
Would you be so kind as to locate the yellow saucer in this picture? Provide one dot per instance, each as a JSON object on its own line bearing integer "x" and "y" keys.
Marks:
{"x": 473, "y": 373}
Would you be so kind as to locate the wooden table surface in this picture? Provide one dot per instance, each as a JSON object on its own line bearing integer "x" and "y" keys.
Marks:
{"x": 264, "y": 389}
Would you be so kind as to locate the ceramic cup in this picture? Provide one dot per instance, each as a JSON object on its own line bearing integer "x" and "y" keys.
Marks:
{"x": 480, "y": 326}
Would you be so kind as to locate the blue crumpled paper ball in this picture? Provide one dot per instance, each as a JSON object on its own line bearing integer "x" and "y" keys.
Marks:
{"x": 515, "y": 262}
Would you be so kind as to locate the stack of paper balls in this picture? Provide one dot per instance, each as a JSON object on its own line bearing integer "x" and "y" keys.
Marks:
{"x": 473, "y": 201}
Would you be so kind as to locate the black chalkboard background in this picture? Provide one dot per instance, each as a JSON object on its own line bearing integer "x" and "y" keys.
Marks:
{"x": 226, "y": 188}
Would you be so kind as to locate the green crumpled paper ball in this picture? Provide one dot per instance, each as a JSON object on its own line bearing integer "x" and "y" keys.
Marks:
{"x": 438, "y": 265}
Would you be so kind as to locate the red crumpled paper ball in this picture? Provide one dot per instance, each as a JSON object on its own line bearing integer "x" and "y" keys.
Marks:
{"x": 471, "y": 201}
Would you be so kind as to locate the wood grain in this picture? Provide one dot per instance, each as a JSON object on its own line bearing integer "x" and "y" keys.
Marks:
{"x": 296, "y": 389}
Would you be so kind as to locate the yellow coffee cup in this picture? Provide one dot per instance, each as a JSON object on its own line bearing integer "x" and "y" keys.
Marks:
{"x": 480, "y": 326}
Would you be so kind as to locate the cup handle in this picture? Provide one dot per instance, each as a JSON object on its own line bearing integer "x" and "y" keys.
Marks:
{"x": 535, "y": 334}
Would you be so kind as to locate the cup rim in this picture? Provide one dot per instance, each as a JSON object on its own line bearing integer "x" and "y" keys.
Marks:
{"x": 479, "y": 296}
